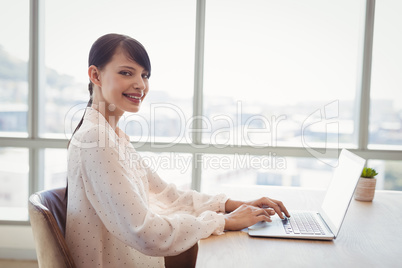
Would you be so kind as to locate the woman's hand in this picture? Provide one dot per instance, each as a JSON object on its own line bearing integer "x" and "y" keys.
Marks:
{"x": 266, "y": 202}
{"x": 245, "y": 216}
{"x": 263, "y": 202}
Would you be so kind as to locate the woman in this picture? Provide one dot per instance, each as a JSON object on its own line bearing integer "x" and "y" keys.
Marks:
{"x": 120, "y": 213}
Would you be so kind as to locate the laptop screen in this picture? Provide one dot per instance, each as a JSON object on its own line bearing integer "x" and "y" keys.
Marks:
{"x": 341, "y": 189}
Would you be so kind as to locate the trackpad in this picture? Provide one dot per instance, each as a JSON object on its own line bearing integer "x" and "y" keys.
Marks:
{"x": 267, "y": 228}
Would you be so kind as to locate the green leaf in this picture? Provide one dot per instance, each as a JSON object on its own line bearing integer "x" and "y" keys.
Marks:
{"x": 368, "y": 173}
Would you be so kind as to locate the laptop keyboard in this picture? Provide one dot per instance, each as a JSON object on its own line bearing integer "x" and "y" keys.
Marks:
{"x": 302, "y": 223}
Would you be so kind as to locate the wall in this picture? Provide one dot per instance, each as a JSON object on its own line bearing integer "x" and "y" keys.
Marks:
{"x": 16, "y": 242}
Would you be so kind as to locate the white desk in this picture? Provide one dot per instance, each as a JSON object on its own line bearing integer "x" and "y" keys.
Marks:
{"x": 371, "y": 235}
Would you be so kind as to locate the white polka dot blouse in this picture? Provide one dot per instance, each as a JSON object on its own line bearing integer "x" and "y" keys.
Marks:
{"x": 122, "y": 214}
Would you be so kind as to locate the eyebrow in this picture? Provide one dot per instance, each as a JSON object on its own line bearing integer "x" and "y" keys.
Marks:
{"x": 131, "y": 68}
{"x": 127, "y": 67}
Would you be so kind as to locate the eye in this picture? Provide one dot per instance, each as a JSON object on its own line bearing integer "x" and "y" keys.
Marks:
{"x": 125, "y": 73}
{"x": 145, "y": 76}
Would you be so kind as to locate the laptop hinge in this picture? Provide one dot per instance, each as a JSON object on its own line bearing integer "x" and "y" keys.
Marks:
{"x": 326, "y": 225}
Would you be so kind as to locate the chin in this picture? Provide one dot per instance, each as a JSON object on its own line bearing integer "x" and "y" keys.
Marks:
{"x": 133, "y": 109}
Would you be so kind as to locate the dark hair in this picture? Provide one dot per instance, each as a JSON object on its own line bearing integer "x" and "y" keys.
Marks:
{"x": 102, "y": 52}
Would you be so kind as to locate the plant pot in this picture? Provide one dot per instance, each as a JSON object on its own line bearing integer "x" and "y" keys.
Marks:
{"x": 365, "y": 189}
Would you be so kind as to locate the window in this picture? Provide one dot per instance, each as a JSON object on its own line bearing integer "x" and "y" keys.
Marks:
{"x": 389, "y": 174}
{"x": 167, "y": 32}
{"x": 14, "y": 183}
{"x": 222, "y": 170}
{"x": 14, "y": 48}
{"x": 14, "y": 165}
{"x": 273, "y": 85}
{"x": 385, "y": 129}
{"x": 55, "y": 168}
{"x": 271, "y": 67}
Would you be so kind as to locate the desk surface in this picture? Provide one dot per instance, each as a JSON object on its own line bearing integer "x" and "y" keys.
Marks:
{"x": 371, "y": 235}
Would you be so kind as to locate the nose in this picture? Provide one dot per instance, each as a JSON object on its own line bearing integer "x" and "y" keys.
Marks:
{"x": 139, "y": 83}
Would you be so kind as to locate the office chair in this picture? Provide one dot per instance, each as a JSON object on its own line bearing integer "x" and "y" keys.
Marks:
{"x": 47, "y": 212}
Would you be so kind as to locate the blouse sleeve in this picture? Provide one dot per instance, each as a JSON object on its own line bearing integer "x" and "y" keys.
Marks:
{"x": 120, "y": 201}
{"x": 171, "y": 200}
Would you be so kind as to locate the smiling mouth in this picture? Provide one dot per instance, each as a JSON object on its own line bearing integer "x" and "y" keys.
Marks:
{"x": 133, "y": 97}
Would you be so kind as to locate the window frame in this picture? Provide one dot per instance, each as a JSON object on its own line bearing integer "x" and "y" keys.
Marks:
{"x": 36, "y": 144}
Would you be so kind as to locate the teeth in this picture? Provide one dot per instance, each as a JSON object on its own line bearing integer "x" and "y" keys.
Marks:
{"x": 134, "y": 97}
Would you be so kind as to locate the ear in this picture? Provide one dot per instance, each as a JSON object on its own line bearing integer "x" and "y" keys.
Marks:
{"x": 94, "y": 75}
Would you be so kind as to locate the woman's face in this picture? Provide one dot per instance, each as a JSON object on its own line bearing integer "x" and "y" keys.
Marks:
{"x": 123, "y": 83}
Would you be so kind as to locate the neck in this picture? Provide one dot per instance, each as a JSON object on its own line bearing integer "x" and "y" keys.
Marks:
{"x": 109, "y": 112}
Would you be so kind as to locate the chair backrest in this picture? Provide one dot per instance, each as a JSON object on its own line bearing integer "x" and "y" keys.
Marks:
{"x": 47, "y": 212}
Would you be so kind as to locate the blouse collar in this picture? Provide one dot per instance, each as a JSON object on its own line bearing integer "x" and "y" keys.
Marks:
{"x": 97, "y": 118}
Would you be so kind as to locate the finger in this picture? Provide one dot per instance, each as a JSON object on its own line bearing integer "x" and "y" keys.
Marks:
{"x": 257, "y": 212}
{"x": 263, "y": 218}
{"x": 260, "y": 211}
{"x": 282, "y": 208}
{"x": 274, "y": 204}
{"x": 270, "y": 211}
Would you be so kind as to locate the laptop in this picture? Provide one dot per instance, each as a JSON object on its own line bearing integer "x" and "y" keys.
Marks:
{"x": 325, "y": 223}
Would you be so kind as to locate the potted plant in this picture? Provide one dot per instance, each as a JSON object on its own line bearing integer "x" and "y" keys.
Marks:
{"x": 366, "y": 185}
